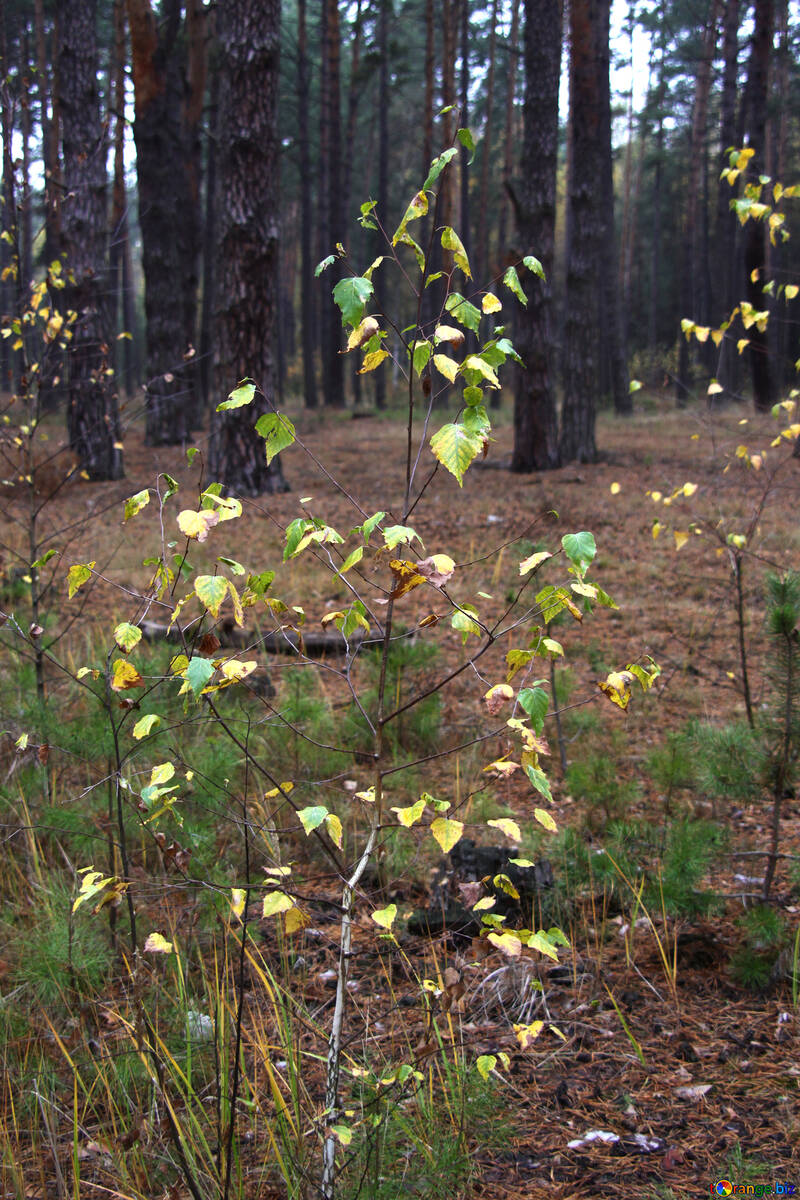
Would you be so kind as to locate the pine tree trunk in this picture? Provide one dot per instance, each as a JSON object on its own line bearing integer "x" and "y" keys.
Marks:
{"x": 755, "y": 234}
{"x": 463, "y": 156}
{"x": 331, "y": 199}
{"x": 482, "y": 258}
{"x": 586, "y": 230}
{"x": 247, "y": 240}
{"x": 609, "y": 318}
{"x": 49, "y": 123}
{"x": 164, "y": 212}
{"x": 654, "y": 306}
{"x": 535, "y": 419}
{"x": 206, "y": 349}
{"x": 508, "y": 138}
{"x": 92, "y": 414}
{"x": 120, "y": 241}
{"x": 692, "y": 266}
{"x": 382, "y": 210}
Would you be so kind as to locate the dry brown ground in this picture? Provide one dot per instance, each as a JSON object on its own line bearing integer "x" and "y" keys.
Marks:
{"x": 674, "y": 605}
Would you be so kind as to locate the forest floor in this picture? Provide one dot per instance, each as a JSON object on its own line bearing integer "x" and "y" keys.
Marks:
{"x": 691, "y": 1076}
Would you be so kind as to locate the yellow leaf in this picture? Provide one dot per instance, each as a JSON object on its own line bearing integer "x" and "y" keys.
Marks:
{"x": 508, "y": 827}
{"x": 544, "y": 818}
{"x": 238, "y": 896}
{"x": 406, "y": 575}
{"x": 528, "y": 1033}
{"x": 446, "y": 366}
{"x": 295, "y": 920}
{"x": 791, "y": 290}
{"x": 372, "y": 360}
{"x": 615, "y": 489}
{"x": 362, "y": 333}
{"x": 276, "y": 902}
{"x": 742, "y": 342}
{"x": 490, "y": 303}
{"x": 701, "y": 332}
{"x": 502, "y": 766}
{"x": 715, "y": 388}
{"x": 716, "y": 336}
{"x": 447, "y": 333}
{"x": 334, "y": 827}
{"x": 680, "y": 539}
{"x": 125, "y": 676}
{"x": 196, "y": 525}
{"x": 447, "y": 833}
{"x": 689, "y": 489}
{"x": 497, "y": 696}
{"x": 507, "y": 942}
{"x": 157, "y": 944}
{"x": 408, "y": 816}
{"x": 528, "y": 564}
{"x": 615, "y": 687}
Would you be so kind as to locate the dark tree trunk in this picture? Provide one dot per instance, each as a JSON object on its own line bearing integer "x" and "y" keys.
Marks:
{"x": 331, "y": 201}
{"x": 92, "y": 414}
{"x": 725, "y": 233}
{"x": 463, "y": 157}
{"x": 49, "y": 123}
{"x": 353, "y": 96}
{"x": 164, "y": 212}
{"x": 206, "y": 349}
{"x": 482, "y": 257}
{"x": 755, "y": 231}
{"x": 535, "y": 420}
{"x": 247, "y": 241}
{"x": 609, "y": 318}
{"x": 585, "y": 246}
{"x": 508, "y": 139}
{"x": 692, "y": 267}
{"x": 383, "y": 175}
{"x": 306, "y": 274}
{"x": 190, "y": 234}
{"x": 120, "y": 241}
{"x": 654, "y": 307}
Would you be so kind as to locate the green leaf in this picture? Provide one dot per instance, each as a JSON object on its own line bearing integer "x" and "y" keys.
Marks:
{"x": 505, "y": 347}
{"x": 475, "y": 363}
{"x": 416, "y": 209}
{"x": 241, "y": 395}
{"x": 516, "y": 660}
{"x": 465, "y": 313}
{"x": 351, "y": 295}
{"x": 232, "y": 563}
{"x": 276, "y": 902}
{"x": 455, "y": 448}
{"x": 326, "y": 262}
{"x": 353, "y": 557}
{"x": 511, "y": 280}
{"x": 135, "y": 504}
{"x": 127, "y": 636}
{"x": 485, "y": 1064}
{"x": 535, "y": 701}
{"x": 145, "y": 725}
{"x": 77, "y": 576}
{"x": 579, "y": 548}
{"x": 197, "y": 674}
{"x": 451, "y": 241}
{"x": 539, "y": 781}
{"x": 464, "y": 623}
{"x": 277, "y": 431}
{"x": 468, "y": 142}
{"x": 172, "y": 485}
{"x": 211, "y": 590}
{"x": 476, "y": 420}
{"x": 409, "y": 816}
{"x": 395, "y": 535}
{"x": 311, "y": 817}
{"x": 370, "y": 524}
{"x": 438, "y": 165}
{"x": 473, "y": 395}
{"x": 422, "y": 354}
{"x": 534, "y": 265}
{"x": 366, "y": 219}
{"x": 405, "y": 239}
{"x": 40, "y": 562}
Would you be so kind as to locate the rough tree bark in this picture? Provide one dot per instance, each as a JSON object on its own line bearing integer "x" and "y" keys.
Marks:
{"x": 92, "y": 410}
{"x": 586, "y": 224}
{"x": 247, "y": 242}
{"x": 482, "y": 258}
{"x": 508, "y": 137}
{"x": 330, "y": 200}
{"x": 535, "y": 419}
{"x": 382, "y": 210}
{"x": 306, "y": 273}
{"x": 120, "y": 251}
{"x": 755, "y": 233}
{"x": 164, "y": 212}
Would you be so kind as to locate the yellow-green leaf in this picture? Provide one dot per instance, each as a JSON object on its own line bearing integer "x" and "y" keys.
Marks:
{"x": 446, "y": 832}
{"x": 385, "y": 916}
{"x": 77, "y": 576}
{"x": 509, "y": 943}
{"x": 455, "y": 448}
{"x": 242, "y": 394}
{"x": 276, "y": 902}
{"x": 311, "y": 817}
{"x": 362, "y": 333}
{"x": 544, "y": 818}
{"x": 490, "y": 303}
{"x": 145, "y": 725}
{"x": 373, "y": 360}
{"x": 127, "y": 636}
{"x": 446, "y": 366}
{"x": 485, "y": 1064}
{"x": 534, "y": 560}
{"x": 451, "y": 241}
{"x": 334, "y": 827}
{"x": 408, "y": 816}
{"x": 134, "y": 504}
{"x": 211, "y": 590}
